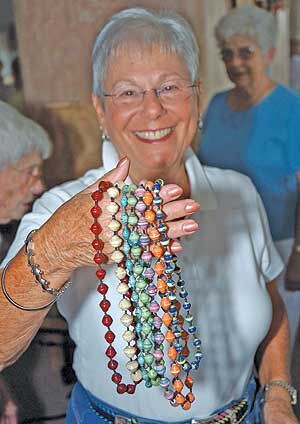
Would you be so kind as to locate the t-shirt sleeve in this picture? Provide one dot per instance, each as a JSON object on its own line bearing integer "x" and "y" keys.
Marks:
{"x": 270, "y": 262}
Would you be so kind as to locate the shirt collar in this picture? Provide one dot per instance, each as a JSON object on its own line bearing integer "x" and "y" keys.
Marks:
{"x": 201, "y": 189}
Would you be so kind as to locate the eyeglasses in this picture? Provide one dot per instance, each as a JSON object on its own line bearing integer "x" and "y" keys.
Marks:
{"x": 243, "y": 53}
{"x": 170, "y": 92}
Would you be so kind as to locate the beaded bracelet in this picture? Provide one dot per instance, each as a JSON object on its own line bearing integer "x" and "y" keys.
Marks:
{"x": 17, "y": 305}
{"x": 38, "y": 273}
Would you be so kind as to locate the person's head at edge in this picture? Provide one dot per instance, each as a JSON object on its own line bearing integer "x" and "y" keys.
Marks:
{"x": 246, "y": 37}
{"x": 23, "y": 147}
{"x": 146, "y": 90}
{"x": 8, "y": 407}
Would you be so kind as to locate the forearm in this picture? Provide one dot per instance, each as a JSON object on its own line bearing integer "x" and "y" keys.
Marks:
{"x": 17, "y": 327}
{"x": 273, "y": 355}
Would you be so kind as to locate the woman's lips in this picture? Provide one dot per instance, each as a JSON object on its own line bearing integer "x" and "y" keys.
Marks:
{"x": 154, "y": 136}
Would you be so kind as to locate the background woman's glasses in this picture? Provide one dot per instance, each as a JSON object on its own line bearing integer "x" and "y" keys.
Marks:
{"x": 243, "y": 53}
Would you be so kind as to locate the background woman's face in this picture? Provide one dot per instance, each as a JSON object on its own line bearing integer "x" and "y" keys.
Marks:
{"x": 152, "y": 134}
{"x": 20, "y": 184}
{"x": 245, "y": 70}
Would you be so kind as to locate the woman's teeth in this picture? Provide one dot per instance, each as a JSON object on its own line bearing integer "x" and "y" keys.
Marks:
{"x": 153, "y": 135}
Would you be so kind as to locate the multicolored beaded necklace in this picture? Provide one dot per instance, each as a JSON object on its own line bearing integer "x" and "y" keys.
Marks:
{"x": 150, "y": 281}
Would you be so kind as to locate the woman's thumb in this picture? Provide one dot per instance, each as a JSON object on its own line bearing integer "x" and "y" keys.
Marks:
{"x": 119, "y": 173}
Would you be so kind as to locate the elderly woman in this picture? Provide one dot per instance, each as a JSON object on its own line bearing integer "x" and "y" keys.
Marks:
{"x": 254, "y": 128}
{"x": 23, "y": 146}
{"x": 146, "y": 95}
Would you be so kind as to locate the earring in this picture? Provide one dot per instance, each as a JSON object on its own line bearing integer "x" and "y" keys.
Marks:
{"x": 200, "y": 123}
{"x": 103, "y": 135}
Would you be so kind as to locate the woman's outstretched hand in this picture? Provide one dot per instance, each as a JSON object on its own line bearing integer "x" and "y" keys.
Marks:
{"x": 66, "y": 237}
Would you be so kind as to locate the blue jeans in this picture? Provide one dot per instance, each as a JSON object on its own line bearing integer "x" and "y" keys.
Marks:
{"x": 80, "y": 410}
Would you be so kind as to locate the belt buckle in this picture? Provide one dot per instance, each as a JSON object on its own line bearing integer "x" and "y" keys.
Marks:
{"x": 123, "y": 420}
{"x": 201, "y": 421}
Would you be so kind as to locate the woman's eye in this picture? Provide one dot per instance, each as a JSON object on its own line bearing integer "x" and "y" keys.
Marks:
{"x": 169, "y": 88}
{"x": 128, "y": 93}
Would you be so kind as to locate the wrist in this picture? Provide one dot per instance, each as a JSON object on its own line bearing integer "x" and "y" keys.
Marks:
{"x": 49, "y": 260}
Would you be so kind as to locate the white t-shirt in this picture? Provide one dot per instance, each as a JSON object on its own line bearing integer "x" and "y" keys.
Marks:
{"x": 226, "y": 266}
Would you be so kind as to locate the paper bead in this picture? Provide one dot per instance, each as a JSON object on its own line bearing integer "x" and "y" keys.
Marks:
{"x": 126, "y": 319}
{"x": 113, "y": 192}
{"x": 130, "y": 351}
{"x": 117, "y": 256}
{"x": 112, "y": 208}
{"x": 124, "y": 304}
{"x": 114, "y": 225}
{"x": 132, "y": 366}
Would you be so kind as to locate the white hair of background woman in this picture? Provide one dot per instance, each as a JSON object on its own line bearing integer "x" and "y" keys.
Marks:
{"x": 248, "y": 20}
{"x": 20, "y": 136}
{"x": 140, "y": 27}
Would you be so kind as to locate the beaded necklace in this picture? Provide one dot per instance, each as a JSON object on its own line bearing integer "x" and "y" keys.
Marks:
{"x": 145, "y": 267}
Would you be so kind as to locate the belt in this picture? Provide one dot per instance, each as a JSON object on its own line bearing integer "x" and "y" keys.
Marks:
{"x": 234, "y": 414}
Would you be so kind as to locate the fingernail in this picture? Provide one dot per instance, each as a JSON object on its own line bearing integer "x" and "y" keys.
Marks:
{"x": 174, "y": 192}
{"x": 176, "y": 247}
{"x": 192, "y": 207}
{"x": 190, "y": 227}
{"x": 122, "y": 162}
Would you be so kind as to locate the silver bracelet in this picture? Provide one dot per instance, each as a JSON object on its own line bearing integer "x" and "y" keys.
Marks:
{"x": 285, "y": 385}
{"x": 37, "y": 272}
{"x": 17, "y": 305}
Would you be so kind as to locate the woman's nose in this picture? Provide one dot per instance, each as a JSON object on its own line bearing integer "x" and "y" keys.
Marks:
{"x": 38, "y": 186}
{"x": 152, "y": 106}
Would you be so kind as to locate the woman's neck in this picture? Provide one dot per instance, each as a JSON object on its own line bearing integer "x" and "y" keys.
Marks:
{"x": 173, "y": 175}
{"x": 242, "y": 98}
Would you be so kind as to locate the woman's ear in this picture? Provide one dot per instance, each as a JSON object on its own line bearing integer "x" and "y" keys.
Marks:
{"x": 99, "y": 109}
{"x": 271, "y": 54}
{"x": 199, "y": 97}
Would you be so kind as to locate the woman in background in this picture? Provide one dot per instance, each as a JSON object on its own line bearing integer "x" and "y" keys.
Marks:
{"x": 23, "y": 147}
{"x": 254, "y": 128}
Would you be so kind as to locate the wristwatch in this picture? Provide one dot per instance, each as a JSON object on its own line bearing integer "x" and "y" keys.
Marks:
{"x": 285, "y": 385}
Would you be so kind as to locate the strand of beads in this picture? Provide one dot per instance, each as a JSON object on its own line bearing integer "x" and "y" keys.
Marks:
{"x": 151, "y": 336}
{"x": 132, "y": 250}
{"x": 175, "y": 327}
{"x": 126, "y": 304}
{"x": 100, "y": 258}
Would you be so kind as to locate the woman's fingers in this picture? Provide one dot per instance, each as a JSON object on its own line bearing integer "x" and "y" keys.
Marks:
{"x": 180, "y": 209}
{"x": 170, "y": 192}
{"x": 181, "y": 228}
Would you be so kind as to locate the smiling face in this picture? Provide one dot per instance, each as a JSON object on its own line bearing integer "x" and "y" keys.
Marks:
{"x": 245, "y": 71}
{"x": 155, "y": 133}
{"x": 20, "y": 183}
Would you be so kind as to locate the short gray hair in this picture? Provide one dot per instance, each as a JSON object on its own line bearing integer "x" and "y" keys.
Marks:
{"x": 142, "y": 27}
{"x": 20, "y": 136}
{"x": 248, "y": 20}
